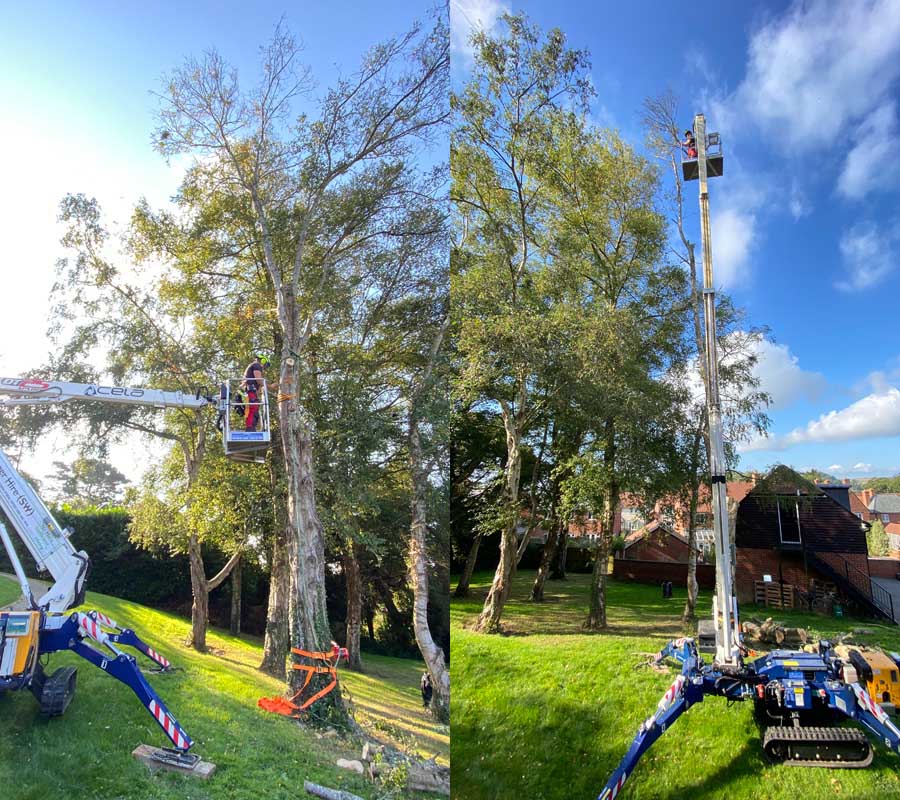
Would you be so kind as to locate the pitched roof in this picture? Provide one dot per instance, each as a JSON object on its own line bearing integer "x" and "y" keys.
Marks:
{"x": 857, "y": 504}
{"x": 649, "y": 528}
{"x": 885, "y": 504}
{"x": 825, "y": 525}
{"x": 892, "y": 527}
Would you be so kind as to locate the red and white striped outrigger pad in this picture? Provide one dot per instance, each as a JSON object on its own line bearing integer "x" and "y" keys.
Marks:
{"x": 92, "y": 628}
{"x": 667, "y": 699}
{"x": 863, "y": 698}
{"x": 104, "y": 620}
{"x": 169, "y": 725}
{"x": 109, "y": 622}
{"x": 161, "y": 660}
{"x": 611, "y": 793}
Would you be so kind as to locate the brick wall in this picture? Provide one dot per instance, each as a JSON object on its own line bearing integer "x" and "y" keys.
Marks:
{"x": 753, "y": 563}
{"x": 884, "y": 567}
{"x": 657, "y": 571}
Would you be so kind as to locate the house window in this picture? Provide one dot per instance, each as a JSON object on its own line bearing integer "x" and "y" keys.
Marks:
{"x": 885, "y": 517}
{"x": 701, "y": 519}
{"x": 789, "y": 525}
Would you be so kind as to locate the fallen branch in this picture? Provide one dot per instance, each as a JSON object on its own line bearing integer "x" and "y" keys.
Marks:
{"x": 328, "y": 794}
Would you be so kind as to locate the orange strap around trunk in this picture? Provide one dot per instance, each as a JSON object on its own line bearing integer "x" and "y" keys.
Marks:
{"x": 288, "y": 707}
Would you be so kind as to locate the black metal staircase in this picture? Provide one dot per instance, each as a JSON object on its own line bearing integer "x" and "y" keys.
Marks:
{"x": 857, "y": 584}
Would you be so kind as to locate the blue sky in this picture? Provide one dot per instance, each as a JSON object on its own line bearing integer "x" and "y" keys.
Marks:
{"x": 75, "y": 83}
{"x": 806, "y": 220}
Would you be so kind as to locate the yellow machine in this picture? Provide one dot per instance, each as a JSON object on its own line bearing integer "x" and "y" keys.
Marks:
{"x": 879, "y": 673}
{"x": 19, "y": 633}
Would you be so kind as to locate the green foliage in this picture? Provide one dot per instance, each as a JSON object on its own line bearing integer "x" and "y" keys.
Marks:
{"x": 117, "y": 566}
{"x": 88, "y": 482}
{"x": 883, "y": 485}
{"x": 877, "y": 540}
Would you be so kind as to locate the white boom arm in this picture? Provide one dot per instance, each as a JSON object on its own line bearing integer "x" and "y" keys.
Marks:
{"x": 27, "y": 391}
{"x": 47, "y": 542}
{"x": 725, "y": 613}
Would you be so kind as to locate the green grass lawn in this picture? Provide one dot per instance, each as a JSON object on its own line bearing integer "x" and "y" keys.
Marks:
{"x": 10, "y": 591}
{"x": 547, "y": 711}
{"x": 86, "y": 754}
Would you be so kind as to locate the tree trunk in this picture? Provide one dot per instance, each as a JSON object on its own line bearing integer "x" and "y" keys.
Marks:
{"x": 307, "y": 614}
{"x": 562, "y": 549}
{"x": 370, "y": 621}
{"x": 200, "y": 592}
{"x": 354, "y": 604}
{"x": 547, "y": 558}
{"x": 235, "y": 626}
{"x": 489, "y": 621}
{"x": 462, "y": 588}
{"x": 596, "y": 619}
{"x": 418, "y": 559}
{"x": 690, "y": 606}
{"x": 276, "y": 644}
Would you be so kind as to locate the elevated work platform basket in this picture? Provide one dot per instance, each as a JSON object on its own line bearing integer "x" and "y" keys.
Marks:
{"x": 246, "y": 433}
{"x": 690, "y": 167}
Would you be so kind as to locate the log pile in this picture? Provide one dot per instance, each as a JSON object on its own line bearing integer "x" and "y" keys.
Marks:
{"x": 773, "y": 633}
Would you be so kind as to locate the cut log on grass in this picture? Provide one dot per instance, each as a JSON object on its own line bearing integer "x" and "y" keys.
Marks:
{"x": 427, "y": 776}
{"x": 328, "y": 794}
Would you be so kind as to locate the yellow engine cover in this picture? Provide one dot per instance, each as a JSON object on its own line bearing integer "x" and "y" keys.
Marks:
{"x": 20, "y": 645}
{"x": 885, "y": 684}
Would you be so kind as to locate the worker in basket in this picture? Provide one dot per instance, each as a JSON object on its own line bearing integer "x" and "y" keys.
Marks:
{"x": 690, "y": 144}
{"x": 253, "y": 377}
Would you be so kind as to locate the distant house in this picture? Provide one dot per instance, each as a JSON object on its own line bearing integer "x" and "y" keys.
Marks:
{"x": 885, "y": 507}
{"x": 892, "y": 529}
{"x": 656, "y": 541}
{"x": 859, "y": 504}
{"x": 807, "y": 539}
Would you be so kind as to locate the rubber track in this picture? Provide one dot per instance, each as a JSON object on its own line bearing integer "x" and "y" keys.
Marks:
{"x": 819, "y": 736}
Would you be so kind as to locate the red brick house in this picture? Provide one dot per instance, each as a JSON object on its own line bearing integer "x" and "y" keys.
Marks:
{"x": 656, "y": 542}
{"x": 885, "y": 507}
{"x": 802, "y": 538}
{"x": 859, "y": 504}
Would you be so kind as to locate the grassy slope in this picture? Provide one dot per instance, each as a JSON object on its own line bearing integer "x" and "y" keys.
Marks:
{"x": 9, "y": 591}
{"x": 550, "y": 714}
{"x": 87, "y": 752}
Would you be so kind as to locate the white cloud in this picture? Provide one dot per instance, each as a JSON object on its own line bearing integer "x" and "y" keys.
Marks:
{"x": 818, "y": 67}
{"x": 780, "y": 375}
{"x": 467, "y": 16}
{"x": 869, "y": 254}
{"x": 874, "y": 161}
{"x": 861, "y": 467}
{"x": 834, "y": 468}
{"x": 733, "y": 233}
{"x": 874, "y": 416}
{"x": 798, "y": 204}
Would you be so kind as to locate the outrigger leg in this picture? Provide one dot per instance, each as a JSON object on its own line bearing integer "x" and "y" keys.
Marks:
{"x": 71, "y": 633}
{"x": 681, "y": 695}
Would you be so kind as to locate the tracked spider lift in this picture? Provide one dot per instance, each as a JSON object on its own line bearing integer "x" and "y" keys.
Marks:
{"x": 50, "y": 624}
{"x": 801, "y": 696}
